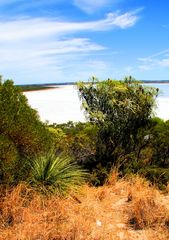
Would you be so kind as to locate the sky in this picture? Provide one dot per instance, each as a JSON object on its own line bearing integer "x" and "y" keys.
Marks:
{"x": 55, "y": 41}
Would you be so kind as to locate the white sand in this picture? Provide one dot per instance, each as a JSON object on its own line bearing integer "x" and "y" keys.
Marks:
{"x": 60, "y": 105}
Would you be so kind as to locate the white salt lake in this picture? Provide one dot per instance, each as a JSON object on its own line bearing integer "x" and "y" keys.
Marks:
{"x": 62, "y": 104}
{"x": 57, "y": 105}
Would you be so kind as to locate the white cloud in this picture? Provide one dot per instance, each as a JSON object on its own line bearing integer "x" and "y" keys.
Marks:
{"x": 161, "y": 53}
{"x": 44, "y": 60}
{"x": 154, "y": 61}
{"x": 41, "y": 54}
{"x": 76, "y": 45}
{"x": 164, "y": 62}
{"x": 45, "y": 47}
{"x": 40, "y": 27}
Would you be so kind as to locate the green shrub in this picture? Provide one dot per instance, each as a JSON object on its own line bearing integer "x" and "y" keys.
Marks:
{"x": 77, "y": 140}
{"x": 8, "y": 158}
{"x": 56, "y": 174}
{"x": 158, "y": 176}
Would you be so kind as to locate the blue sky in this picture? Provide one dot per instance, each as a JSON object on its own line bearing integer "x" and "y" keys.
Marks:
{"x": 69, "y": 40}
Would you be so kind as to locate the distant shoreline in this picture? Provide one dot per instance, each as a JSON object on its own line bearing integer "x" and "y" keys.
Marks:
{"x": 44, "y": 86}
{"x": 49, "y": 86}
{"x": 156, "y": 82}
{"x": 36, "y": 88}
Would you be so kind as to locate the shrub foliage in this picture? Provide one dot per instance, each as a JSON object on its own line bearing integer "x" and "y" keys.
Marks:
{"x": 22, "y": 134}
{"x": 120, "y": 109}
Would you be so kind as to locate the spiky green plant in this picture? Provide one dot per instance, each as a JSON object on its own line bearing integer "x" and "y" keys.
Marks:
{"x": 56, "y": 174}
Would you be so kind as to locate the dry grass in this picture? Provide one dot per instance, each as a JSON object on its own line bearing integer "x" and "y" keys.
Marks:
{"x": 144, "y": 208}
{"x": 103, "y": 213}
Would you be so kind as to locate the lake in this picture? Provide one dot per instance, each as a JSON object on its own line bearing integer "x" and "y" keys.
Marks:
{"x": 163, "y": 87}
{"x": 162, "y": 110}
{"x": 62, "y": 104}
{"x": 57, "y": 105}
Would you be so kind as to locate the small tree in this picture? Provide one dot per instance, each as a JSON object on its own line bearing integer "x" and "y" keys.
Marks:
{"x": 119, "y": 108}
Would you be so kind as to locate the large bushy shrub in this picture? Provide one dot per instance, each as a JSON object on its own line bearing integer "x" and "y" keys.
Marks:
{"x": 22, "y": 134}
{"x": 119, "y": 109}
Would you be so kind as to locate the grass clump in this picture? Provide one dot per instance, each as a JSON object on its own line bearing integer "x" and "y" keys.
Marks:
{"x": 145, "y": 209}
{"x": 51, "y": 174}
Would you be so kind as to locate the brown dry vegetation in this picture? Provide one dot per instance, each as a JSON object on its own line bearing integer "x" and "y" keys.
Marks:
{"x": 123, "y": 209}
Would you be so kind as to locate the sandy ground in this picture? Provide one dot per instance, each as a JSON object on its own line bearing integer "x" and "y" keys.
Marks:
{"x": 62, "y": 104}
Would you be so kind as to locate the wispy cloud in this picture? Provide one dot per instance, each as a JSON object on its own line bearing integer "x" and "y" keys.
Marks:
{"x": 39, "y": 27}
{"x": 157, "y": 60}
{"x": 165, "y": 26}
{"x": 48, "y": 47}
{"x": 164, "y": 62}
{"x": 91, "y": 6}
{"x": 43, "y": 7}
{"x": 161, "y": 53}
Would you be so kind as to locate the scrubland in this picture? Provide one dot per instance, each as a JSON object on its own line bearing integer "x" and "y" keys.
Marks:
{"x": 82, "y": 181}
